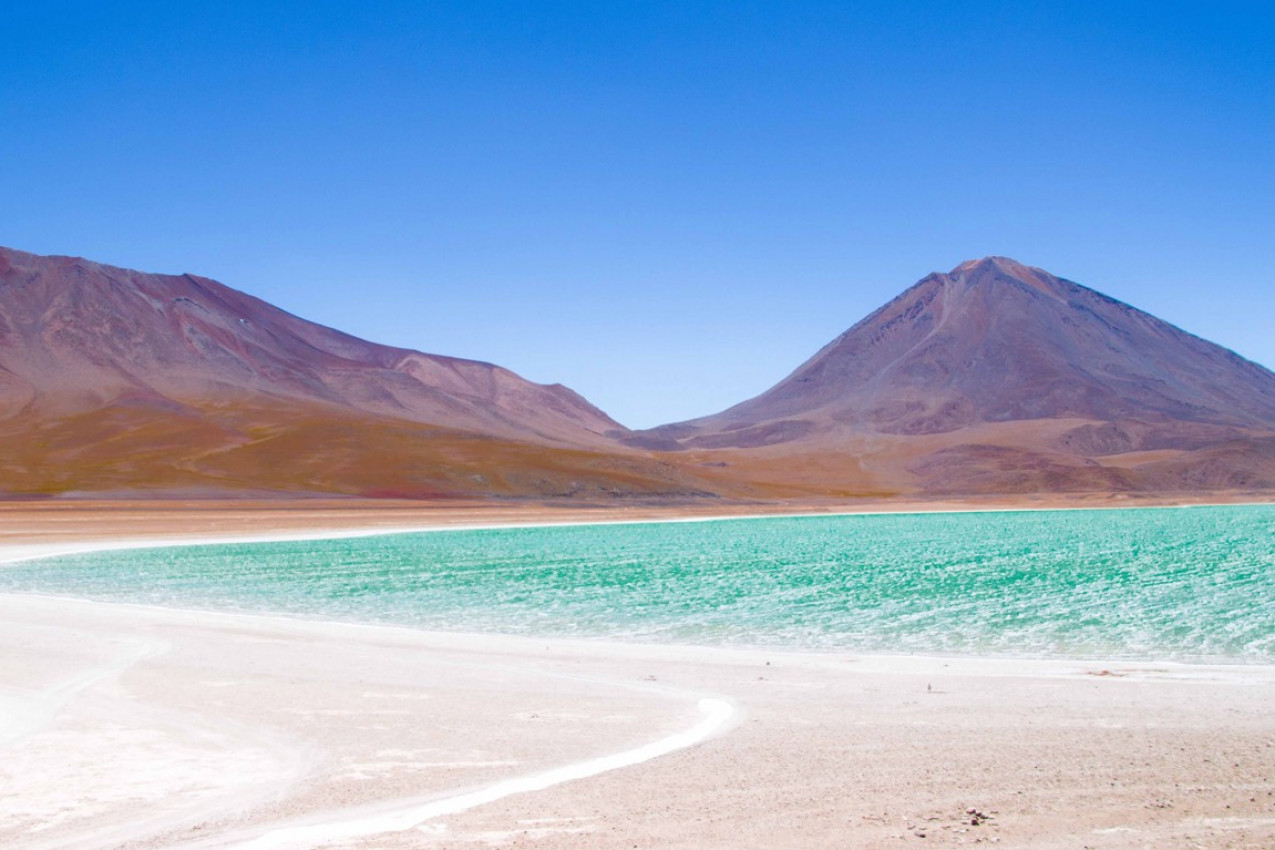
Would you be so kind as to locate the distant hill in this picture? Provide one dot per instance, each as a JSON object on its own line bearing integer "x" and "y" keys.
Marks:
{"x": 995, "y": 378}
{"x": 118, "y": 382}
{"x": 1000, "y": 378}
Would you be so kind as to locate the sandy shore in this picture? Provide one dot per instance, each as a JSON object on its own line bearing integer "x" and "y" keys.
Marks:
{"x": 136, "y": 727}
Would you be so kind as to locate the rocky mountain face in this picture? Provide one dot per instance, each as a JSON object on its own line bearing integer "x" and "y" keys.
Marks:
{"x": 995, "y": 378}
{"x": 114, "y": 380}
{"x": 999, "y": 377}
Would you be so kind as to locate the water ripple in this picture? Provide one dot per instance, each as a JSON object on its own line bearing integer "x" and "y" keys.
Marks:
{"x": 1190, "y": 584}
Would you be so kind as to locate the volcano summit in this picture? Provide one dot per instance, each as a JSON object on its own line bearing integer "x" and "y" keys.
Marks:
{"x": 1000, "y": 377}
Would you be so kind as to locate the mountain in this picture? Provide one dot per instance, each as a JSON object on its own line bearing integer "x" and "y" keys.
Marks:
{"x": 1000, "y": 377}
{"x": 115, "y": 381}
{"x": 995, "y": 378}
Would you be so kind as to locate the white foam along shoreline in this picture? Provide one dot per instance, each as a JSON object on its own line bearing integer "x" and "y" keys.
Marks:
{"x": 898, "y": 683}
{"x": 717, "y": 713}
{"x": 20, "y": 553}
{"x": 402, "y": 814}
{"x": 332, "y": 825}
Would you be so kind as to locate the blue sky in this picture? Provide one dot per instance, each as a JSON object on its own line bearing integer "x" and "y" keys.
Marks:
{"x": 666, "y": 206}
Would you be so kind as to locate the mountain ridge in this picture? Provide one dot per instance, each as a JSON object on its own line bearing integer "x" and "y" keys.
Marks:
{"x": 867, "y": 357}
{"x": 996, "y": 365}
{"x": 193, "y": 305}
{"x": 99, "y": 365}
{"x": 993, "y": 378}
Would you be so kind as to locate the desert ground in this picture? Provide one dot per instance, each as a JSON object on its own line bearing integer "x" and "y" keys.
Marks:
{"x": 136, "y": 727}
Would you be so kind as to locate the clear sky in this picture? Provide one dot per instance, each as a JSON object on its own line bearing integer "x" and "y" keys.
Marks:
{"x": 665, "y": 206}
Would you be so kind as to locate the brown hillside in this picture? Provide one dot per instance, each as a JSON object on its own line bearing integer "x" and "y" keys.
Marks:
{"x": 999, "y": 377}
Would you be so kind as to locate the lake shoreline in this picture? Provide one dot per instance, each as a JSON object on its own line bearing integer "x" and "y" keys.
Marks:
{"x": 47, "y": 528}
{"x": 140, "y": 726}
{"x": 1006, "y": 584}
{"x": 333, "y": 723}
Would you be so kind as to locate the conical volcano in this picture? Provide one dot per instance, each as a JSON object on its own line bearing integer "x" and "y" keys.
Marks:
{"x": 1001, "y": 376}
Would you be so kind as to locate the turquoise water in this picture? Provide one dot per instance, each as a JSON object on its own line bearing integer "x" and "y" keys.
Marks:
{"x": 1190, "y": 584}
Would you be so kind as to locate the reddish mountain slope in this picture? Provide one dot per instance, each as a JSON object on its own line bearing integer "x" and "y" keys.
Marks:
{"x": 993, "y": 378}
{"x": 77, "y": 335}
{"x": 999, "y": 377}
{"x": 116, "y": 380}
